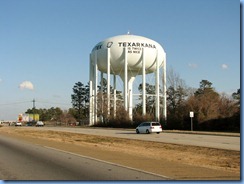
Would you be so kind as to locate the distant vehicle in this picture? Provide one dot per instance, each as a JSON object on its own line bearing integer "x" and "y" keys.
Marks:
{"x": 18, "y": 124}
{"x": 39, "y": 124}
{"x": 11, "y": 124}
{"x": 29, "y": 123}
{"x": 149, "y": 127}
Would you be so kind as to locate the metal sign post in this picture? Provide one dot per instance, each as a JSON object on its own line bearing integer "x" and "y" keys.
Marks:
{"x": 191, "y": 116}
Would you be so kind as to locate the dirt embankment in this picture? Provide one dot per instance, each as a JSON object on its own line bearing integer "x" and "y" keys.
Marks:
{"x": 175, "y": 161}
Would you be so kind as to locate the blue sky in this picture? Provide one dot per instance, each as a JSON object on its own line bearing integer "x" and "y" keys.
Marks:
{"x": 48, "y": 42}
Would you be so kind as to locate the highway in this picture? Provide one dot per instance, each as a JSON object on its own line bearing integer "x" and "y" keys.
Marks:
{"x": 196, "y": 139}
{"x": 25, "y": 161}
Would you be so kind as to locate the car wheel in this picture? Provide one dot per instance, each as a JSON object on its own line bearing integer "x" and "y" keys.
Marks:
{"x": 137, "y": 131}
{"x": 158, "y": 132}
{"x": 147, "y": 131}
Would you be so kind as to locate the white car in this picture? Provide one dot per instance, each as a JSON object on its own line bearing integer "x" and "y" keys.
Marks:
{"x": 39, "y": 123}
{"x": 149, "y": 127}
{"x": 18, "y": 124}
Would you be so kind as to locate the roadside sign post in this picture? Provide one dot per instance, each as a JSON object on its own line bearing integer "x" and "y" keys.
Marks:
{"x": 191, "y": 116}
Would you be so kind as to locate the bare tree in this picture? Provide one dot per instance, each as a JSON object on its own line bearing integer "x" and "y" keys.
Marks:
{"x": 174, "y": 80}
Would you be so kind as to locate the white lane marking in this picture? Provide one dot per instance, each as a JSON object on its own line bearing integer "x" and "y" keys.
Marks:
{"x": 111, "y": 163}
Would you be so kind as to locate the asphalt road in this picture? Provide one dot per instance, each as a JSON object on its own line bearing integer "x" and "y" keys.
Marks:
{"x": 25, "y": 161}
{"x": 212, "y": 141}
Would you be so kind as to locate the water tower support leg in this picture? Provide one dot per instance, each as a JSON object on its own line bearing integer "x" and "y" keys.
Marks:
{"x": 108, "y": 80}
{"x": 102, "y": 92}
{"x": 130, "y": 86}
{"x": 115, "y": 96}
{"x": 164, "y": 91}
{"x": 95, "y": 88}
{"x": 157, "y": 90}
{"x": 125, "y": 81}
{"x": 91, "y": 107}
{"x": 143, "y": 84}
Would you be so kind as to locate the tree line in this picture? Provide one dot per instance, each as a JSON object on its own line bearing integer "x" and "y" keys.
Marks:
{"x": 212, "y": 111}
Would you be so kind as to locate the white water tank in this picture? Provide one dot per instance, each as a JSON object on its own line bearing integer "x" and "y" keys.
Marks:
{"x": 133, "y": 45}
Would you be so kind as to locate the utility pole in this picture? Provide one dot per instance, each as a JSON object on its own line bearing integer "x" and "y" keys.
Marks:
{"x": 33, "y": 109}
{"x": 33, "y": 103}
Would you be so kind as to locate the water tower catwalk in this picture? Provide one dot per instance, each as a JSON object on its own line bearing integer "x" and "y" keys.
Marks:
{"x": 126, "y": 56}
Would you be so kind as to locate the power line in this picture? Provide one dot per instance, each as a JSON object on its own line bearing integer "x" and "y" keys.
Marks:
{"x": 58, "y": 103}
{"x": 34, "y": 103}
{"x": 14, "y": 103}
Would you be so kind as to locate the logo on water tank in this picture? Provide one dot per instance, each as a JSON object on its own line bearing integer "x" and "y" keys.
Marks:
{"x": 109, "y": 44}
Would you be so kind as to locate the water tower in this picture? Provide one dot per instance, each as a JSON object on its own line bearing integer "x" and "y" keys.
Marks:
{"x": 127, "y": 56}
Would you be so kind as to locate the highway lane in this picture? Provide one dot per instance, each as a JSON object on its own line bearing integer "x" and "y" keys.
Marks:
{"x": 21, "y": 160}
{"x": 211, "y": 141}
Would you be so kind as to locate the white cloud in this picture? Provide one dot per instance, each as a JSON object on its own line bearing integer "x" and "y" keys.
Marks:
{"x": 192, "y": 65}
{"x": 224, "y": 66}
{"x": 26, "y": 85}
{"x": 1, "y": 80}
